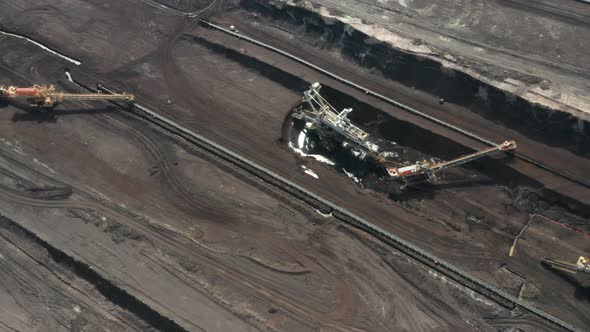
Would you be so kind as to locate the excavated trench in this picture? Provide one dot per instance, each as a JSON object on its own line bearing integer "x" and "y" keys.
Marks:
{"x": 184, "y": 5}
{"x": 414, "y": 141}
{"x": 116, "y": 295}
{"x": 554, "y": 128}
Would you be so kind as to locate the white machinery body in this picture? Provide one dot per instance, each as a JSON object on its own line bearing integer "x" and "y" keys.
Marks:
{"x": 321, "y": 113}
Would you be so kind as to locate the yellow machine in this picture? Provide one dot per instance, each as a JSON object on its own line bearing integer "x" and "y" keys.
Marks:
{"x": 47, "y": 96}
{"x": 582, "y": 265}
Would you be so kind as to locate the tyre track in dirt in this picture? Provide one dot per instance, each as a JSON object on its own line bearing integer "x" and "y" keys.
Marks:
{"x": 550, "y": 9}
{"x": 172, "y": 69}
{"x": 164, "y": 166}
{"x": 168, "y": 238}
{"x": 320, "y": 200}
{"x": 442, "y": 266}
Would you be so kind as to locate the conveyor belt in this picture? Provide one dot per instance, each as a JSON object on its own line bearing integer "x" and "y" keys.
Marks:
{"x": 448, "y": 269}
{"x": 407, "y": 108}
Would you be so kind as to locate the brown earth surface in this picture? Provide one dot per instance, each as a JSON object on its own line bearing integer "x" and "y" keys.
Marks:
{"x": 202, "y": 245}
{"x": 533, "y": 48}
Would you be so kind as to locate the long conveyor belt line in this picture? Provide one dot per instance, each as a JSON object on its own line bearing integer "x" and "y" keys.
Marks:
{"x": 450, "y": 270}
{"x": 405, "y": 107}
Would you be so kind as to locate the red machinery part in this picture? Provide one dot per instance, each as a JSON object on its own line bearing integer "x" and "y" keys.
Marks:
{"x": 404, "y": 171}
{"x": 27, "y": 92}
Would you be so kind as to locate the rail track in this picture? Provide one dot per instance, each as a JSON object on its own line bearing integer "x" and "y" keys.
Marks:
{"x": 446, "y": 268}
{"x": 404, "y": 107}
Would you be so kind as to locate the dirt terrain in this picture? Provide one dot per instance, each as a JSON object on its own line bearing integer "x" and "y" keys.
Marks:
{"x": 534, "y": 49}
{"x": 40, "y": 292}
{"x": 136, "y": 228}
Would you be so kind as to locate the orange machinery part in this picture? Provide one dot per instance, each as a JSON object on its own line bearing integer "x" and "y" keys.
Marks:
{"x": 27, "y": 91}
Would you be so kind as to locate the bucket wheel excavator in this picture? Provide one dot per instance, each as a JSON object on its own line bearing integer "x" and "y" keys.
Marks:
{"x": 47, "y": 97}
{"x": 429, "y": 169}
{"x": 320, "y": 115}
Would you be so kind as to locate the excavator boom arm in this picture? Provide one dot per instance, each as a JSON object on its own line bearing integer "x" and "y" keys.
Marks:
{"x": 430, "y": 169}
{"x": 506, "y": 146}
{"x": 47, "y": 96}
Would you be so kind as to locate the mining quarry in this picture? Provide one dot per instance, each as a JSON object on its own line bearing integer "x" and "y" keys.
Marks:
{"x": 252, "y": 165}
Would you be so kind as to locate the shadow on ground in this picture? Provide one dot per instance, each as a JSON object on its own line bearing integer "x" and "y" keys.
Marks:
{"x": 580, "y": 281}
{"x": 32, "y": 114}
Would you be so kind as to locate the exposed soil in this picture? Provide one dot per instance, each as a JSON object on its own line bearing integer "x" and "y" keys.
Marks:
{"x": 428, "y": 75}
{"x": 170, "y": 237}
{"x": 527, "y": 48}
{"x": 42, "y": 291}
